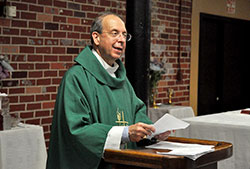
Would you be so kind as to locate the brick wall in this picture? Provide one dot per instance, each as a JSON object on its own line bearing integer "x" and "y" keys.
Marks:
{"x": 171, "y": 21}
{"x": 45, "y": 36}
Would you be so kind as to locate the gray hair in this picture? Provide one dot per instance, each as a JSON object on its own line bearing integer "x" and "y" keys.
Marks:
{"x": 97, "y": 24}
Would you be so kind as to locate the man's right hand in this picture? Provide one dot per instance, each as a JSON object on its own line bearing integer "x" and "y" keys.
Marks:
{"x": 139, "y": 131}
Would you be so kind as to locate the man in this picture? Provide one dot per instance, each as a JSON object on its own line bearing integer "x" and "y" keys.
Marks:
{"x": 96, "y": 107}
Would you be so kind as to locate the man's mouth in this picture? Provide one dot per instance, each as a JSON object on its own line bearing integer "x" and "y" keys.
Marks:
{"x": 118, "y": 48}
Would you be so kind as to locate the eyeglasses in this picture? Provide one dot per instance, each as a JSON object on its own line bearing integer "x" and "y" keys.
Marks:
{"x": 116, "y": 35}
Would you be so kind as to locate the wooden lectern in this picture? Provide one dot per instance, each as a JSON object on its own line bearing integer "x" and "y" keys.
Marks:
{"x": 147, "y": 158}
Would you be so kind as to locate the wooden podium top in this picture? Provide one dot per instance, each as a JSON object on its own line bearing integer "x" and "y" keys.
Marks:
{"x": 147, "y": 158}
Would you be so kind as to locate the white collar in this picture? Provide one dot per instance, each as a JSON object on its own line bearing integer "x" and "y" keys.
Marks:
{"x": 110, "y": 69}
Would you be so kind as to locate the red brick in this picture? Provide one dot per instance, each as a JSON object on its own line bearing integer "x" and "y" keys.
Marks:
{"x": 43, "y": 2}
{"x": 43, "y": 97}
{"x": 43, "y": 82}
{"x": 19, "y": 74}
{"x": 35, "y": 41}
{"x": 65, "y": 58}
{"x": 74, "y": 6}
{"x": 58, "y": 50}
{"x": 73, "y": 35}
{"x": 66, "y": 12}
{"x": 47, "y": 120}
{"x": 26, "y": 49}
{"x": 20, "y": 6}
{"x": 79, "y": 29}
{"x": 72, "y": 50}
{"x": 9, "y": 49}
{"x": 19, "y": 40}
{"x": 26, "y": 32}
{"x": 68, "y": 65}
{"x": 37, "y": 25}
{"x": 30, "y": 90}
{"x": 57, "y": 66}
{"x": 43, "y": 50}
{"x": 16, "y": 90}
{"x": 13, "y": 99}
{"x": 25, "y": 115}
{"x": 44, "y": 113}
{"x": 27, "y": 98}
{"x": 59, "y": 34}
{"x": 56, "y": 81}
{"x": 4, "y": 22}
{"x": 79, "y": 14}
{"x": 17, "y": 107}
{"x": 51, "y": 41}
{"x": 86, "y": 22}
{"x": 29, "y": 1}
{"x": 35, "y": 58}
{"x": 51, "y": 26}
{"x": 104, "y": 3}
{"x": 28, "y": 15}
{"x": 4, "y": 40}
{"x": 17, "y": 23}
{"x": 99, "y": 9}
{"x": 36, "y": 74}
{"x": 53, "y": 96}
{"x": 44, "y": 34}
{"x": 10, "y": 31}
{"x": 85, "y": 36}
{"x": 47, "y": 105}
{"x": 50, "y": 10}
{"x": 35, "y": 8}
{"x": 66, "y": 27}
{"x": 50, "y": 73}
{"x": 51, "y": 89}
{"x": 26, "y": 66}
{"x": 81, "y": 1}
{"x": 74, "y": 21}
{"x": 60, "y": 4}
{"x": 92, "y": 15}
{"x": 42, "y": 65}
{"x": 61, "y": 19}
{"x": 45, "y": 128}
{"x": 80, "y": 43}
{"x": 33, "y": 121}
{"x": 44, "y": 17}
{"x": 33, "y": 106}
{"x": 50, "y": 58}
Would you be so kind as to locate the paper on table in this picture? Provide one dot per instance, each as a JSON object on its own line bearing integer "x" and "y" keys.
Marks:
{"x": 168, "y": 123}
{"x": 192, "y": 151}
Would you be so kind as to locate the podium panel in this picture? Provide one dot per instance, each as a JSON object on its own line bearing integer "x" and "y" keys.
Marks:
{"x": 148, "y": 158}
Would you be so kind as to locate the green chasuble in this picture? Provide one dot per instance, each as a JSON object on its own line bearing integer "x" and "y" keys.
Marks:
{"x": 89, "y": 103}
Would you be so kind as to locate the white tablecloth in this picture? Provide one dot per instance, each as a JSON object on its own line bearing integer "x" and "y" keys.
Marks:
{"x": 230, "y": 127}
{"x": 23, "y": 148}
{"x": 177, "y": 111}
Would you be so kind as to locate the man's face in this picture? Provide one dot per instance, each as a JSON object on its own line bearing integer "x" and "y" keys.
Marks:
{"x": 109, "y": 46}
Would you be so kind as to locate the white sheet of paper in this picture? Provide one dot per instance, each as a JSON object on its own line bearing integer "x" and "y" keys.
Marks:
{"x": 168, "y": 123}
{"x": 192, "y": 151}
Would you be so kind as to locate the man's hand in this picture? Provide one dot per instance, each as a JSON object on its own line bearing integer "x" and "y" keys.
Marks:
{"x": 163, "y": 136}
{"x": 139, "y": 131}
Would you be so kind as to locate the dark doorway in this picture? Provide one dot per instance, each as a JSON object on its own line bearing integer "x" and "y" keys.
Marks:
{"x": 224, "y": 67}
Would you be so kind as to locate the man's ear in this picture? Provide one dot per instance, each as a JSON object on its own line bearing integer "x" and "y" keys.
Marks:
{"x": 96, "y": 38}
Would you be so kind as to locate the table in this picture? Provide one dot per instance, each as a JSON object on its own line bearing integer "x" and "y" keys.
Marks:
{"x": 178, "y": 111}
{"x": 23, "y": 148}
{"x": 147, "y": 158}
{"x": 232, "y": 127}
